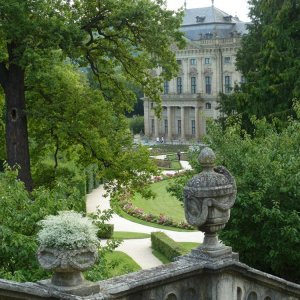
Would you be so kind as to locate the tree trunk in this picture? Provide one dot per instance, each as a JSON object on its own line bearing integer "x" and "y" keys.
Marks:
{"x": 16, "y": 121}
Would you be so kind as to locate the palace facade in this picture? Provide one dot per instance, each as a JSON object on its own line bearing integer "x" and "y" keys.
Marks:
{"x": 206, "y": 69}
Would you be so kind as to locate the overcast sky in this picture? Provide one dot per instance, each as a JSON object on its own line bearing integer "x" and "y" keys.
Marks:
{"x": 232, "y": 7}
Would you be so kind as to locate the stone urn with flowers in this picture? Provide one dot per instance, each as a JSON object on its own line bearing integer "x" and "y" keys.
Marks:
{"x": 68, "y": 246}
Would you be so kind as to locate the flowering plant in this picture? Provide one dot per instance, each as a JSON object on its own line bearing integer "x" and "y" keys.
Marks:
{"x": 68, "y": 230}
{"x": 162, "y": 219}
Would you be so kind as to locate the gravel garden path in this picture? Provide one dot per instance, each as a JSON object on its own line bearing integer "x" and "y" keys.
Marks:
{"x": 139, "y": 249}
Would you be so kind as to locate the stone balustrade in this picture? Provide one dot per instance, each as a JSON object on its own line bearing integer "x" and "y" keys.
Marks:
{"x": 210, "y": 272}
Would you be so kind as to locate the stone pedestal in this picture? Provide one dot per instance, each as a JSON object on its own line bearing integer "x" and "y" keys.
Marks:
{"x": 67, "y": 266}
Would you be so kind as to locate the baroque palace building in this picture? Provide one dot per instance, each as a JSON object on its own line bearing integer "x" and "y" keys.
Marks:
{"x": 206, "y": 69}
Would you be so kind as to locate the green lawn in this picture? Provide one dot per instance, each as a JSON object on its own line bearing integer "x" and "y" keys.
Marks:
{"x": 123, "y": 214}
{"x": 166, "y": 148}
{"x": 174, "y": 157}
{"x": 175, "y": 165}
{"x": 162, "y": 203}
{"x": 124, "y": 235}
{"x": 116, "y": 263}
{"x": 119, "y": 263}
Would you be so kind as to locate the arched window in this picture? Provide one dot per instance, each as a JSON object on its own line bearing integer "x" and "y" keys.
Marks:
{"x": 239, "y": 293}
{"x": 171, "y": 297}
{"x": 252, "y": 296}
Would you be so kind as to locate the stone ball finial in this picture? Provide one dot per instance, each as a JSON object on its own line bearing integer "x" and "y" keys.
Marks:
{"x": 207, "y": 157}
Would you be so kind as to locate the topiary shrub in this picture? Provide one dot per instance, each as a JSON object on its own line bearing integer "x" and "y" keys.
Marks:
{"x": 166, "y": 246}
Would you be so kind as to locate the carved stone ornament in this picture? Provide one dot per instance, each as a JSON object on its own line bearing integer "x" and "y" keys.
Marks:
{"x": 208, "y": 198}
{"x": 67, "y": 264}
{"x": 180, "y": 71}
{"x": 193, "y": 71}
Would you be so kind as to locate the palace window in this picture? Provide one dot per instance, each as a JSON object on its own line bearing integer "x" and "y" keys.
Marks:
{"x": 166, "y": 126}
{"x": 179, "y": 61}
{"x": 193, "y": 61}
{"x": 179, "y": 126}
{"x": 179, "y": 85}
{"x": 193, "y": 127}
{"x": 227, "y": 60}
{"x": 166, "y": 87}
{"x": 208, "y": 85}
{"x": 207, "y": 60}
{"x": 152, "y": 126}
{"x": 228, "y": 87}
{"x": 193, "y": 85}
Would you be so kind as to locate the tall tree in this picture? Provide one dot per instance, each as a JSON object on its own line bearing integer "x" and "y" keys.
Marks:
{"x": 118, "y": 39}
{"x": 269, "y": 58}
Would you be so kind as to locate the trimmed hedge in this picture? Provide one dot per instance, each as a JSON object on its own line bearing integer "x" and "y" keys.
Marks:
{"x": 166, "y": 246}
{"x": 92, "y": 180}
{"x": 105, "y": 231}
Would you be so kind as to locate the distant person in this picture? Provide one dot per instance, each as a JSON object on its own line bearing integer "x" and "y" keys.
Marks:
{"x": 162, "y": 140}
{"x": 157, "y": 140}
{"x": 178, "y": 155}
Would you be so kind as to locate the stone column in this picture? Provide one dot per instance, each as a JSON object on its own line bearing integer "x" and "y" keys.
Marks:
{"x": 197, "y": 121}
{"x": 182, "y": 123}
{"x": 169, "y": 116}
{"x": 156, "y": 126}
{"x": 202, "y": 123}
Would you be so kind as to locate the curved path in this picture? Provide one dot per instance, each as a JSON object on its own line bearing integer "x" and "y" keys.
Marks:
{"x": 139, "y": 249}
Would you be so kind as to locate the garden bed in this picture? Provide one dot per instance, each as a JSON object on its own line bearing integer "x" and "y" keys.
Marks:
{"x": 164, "y": 209}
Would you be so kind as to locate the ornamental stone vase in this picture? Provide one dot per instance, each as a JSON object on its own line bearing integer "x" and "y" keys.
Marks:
{"x": 208, "y": 198}
{"x": 67, "y": 264}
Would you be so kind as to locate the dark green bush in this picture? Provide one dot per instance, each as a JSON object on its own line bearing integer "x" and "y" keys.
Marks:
{"x": 136, "y": 124}
{"x": 166, "y": 246}
{"x": 20, "y": 212}
{"x": 105, "y": 231}
{"x": 47, "y": 176}
{"x": 92, "y": 180}
{"x": 89, "y": 174}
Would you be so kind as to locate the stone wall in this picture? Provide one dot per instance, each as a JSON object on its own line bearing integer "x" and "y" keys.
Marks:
{"x": 189, "y": 278}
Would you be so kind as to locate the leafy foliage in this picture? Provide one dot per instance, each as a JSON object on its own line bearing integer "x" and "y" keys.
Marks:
{"x": 136, "y": 124}
{"x": 112, "y": 264}
{"x": 100, "y": 219}
{"x": 269, "y": 60}
{"x": 19, "y": 215}
{"x": 119, "y": 41}
{"x": 265, "y": 221}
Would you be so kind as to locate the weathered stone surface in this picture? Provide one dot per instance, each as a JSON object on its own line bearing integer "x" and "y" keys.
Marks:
{"x": 67, "y": 266}
{"x": 205, "y": 278}
{"x": 208, "y": 198}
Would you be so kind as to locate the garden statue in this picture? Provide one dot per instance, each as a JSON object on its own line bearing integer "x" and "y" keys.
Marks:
{"x": 208, "y": 198}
